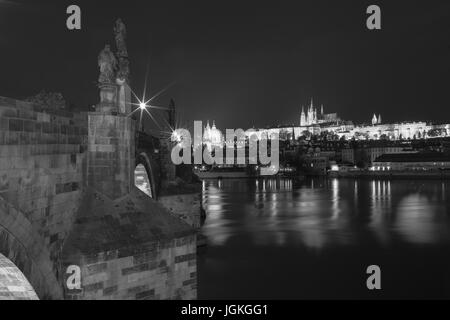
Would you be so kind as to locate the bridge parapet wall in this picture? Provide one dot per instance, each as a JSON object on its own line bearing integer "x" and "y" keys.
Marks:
{"x": 42, "y": 168}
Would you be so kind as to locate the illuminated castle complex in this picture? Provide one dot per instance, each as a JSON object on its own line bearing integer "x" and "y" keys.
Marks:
{"x": 314, "y": 123}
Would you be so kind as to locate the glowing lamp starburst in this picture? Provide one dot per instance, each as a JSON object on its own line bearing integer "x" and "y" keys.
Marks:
{"x": 144, "y": 106}
{"x": 176, "y": 137}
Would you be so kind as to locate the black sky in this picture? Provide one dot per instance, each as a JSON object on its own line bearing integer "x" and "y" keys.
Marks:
{"x": 242, "y": 63}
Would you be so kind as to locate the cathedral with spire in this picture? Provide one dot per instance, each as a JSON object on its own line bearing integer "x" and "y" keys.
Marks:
{"x": 312, "y": 117}
{"x": 376, "y": 120}
{"x": 212, "y": 137}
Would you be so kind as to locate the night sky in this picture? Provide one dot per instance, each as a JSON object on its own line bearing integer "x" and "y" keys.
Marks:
{"x": 241, "y": 63}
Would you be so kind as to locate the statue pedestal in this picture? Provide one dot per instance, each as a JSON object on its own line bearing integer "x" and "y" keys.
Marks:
{"x": 124, "y": 97}
{"x": 111, "y": 144}
{"x": 111, "y": 154}
{"x": 108, "y": 99}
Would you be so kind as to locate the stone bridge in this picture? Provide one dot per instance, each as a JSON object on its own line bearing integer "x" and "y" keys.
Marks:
{"x": 68, "y": 198}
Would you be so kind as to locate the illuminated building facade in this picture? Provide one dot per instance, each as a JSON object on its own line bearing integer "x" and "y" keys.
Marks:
{"x": 212, "y": 137}
{"x": 412, "y": 162}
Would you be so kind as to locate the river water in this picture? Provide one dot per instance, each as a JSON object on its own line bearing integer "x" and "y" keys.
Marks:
{"x": 314, "y": 239}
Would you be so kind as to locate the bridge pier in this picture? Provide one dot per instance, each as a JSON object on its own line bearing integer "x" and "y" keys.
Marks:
{"x": 127, "y": 245}
{"x": 131, "y": 248}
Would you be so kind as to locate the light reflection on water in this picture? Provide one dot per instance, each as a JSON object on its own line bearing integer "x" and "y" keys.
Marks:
{"x": 321, "y": 215}
{"x": 325, "y": 212}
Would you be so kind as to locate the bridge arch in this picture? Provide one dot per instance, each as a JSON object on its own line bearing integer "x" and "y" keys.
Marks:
{"x": 24, "y": 248}
{"x": 145, "y": 174}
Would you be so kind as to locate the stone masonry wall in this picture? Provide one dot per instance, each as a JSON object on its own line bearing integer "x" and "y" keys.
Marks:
{"x": 168, "y": 270}
{"x": 111, "y": 156}
{"x": 41, "y": 168}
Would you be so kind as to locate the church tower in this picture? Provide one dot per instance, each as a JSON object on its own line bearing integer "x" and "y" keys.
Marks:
{"x": 207, "y": 135}
{"x": 303, "y": 118}
{"x": 374, "y": 120}
{"x": 311, "y": 113}
{"x": 313, "y": 116}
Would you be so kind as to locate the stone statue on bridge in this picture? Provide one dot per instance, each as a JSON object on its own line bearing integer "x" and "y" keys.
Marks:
{"x": 120, "y": 33}
{"x": 108, "y": 64}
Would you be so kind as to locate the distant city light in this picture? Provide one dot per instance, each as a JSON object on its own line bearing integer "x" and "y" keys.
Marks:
{"x": 143, "y": 106}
